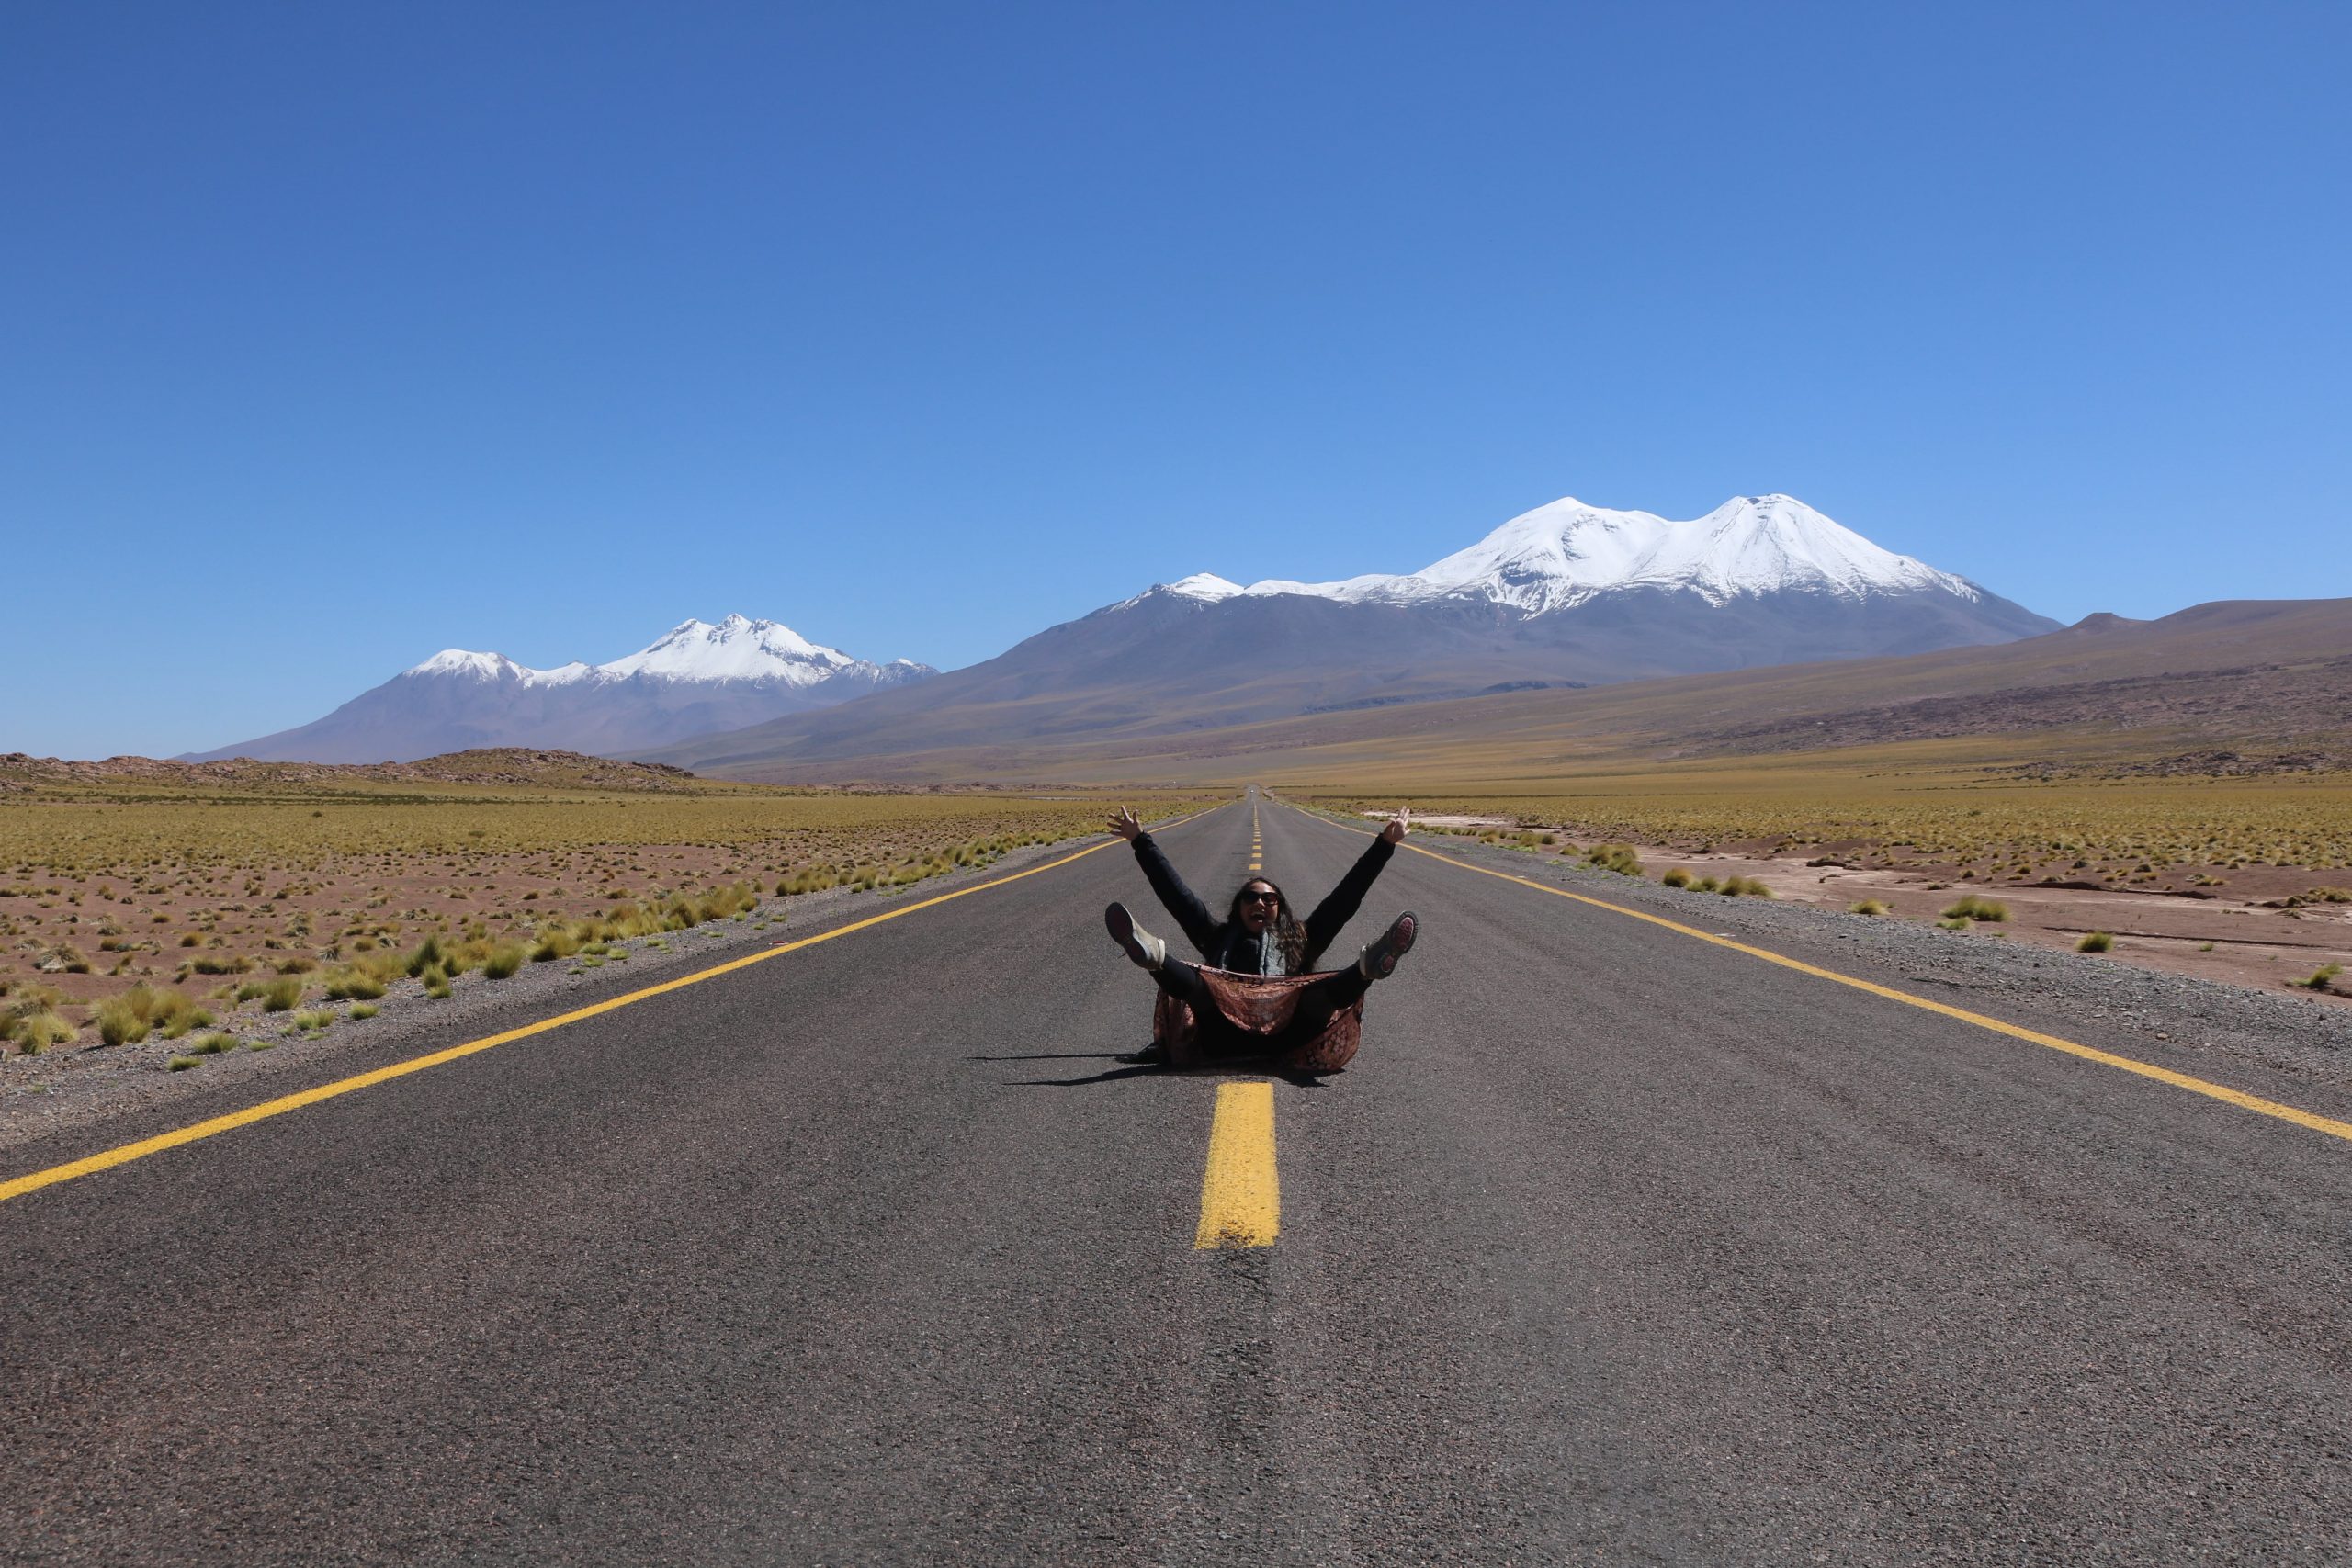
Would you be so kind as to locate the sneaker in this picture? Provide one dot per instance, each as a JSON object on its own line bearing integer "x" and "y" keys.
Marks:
{"x": 1146, "y": 949}
{"x": 1379, "y": 960}
{"x": 1151, "y": 1055}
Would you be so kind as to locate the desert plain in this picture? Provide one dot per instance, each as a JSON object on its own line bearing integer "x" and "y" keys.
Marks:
{"x": 2175, "y": 794}
{"x": 233, "y": 904}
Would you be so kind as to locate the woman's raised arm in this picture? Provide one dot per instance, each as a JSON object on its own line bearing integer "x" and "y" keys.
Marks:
{"x": 1332, "y": 915}
{"x": 1182, "y": 903}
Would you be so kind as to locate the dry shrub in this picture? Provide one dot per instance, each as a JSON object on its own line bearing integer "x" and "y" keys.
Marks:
{"x": 31, "y": 1021}
{"x": 1975, "y": 907}
{"x": 127, "y": 1019}
{"x": 1619, "y": 858}
{"x": 354, "y": 983}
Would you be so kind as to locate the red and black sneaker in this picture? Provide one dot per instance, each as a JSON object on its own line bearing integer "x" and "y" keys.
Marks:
{"x": 1380, "y": 959}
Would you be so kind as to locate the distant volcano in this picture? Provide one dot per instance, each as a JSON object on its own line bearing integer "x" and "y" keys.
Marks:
{"x": 1566, "y": 594}
{"x": 1568, "y": 554}
{"x": 697, "y": 678}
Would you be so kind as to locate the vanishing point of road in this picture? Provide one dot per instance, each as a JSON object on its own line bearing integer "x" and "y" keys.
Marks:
{"x": 1616, "y": 1245}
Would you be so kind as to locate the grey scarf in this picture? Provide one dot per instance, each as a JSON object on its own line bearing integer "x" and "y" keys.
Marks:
{"x": 1267, "y": 958}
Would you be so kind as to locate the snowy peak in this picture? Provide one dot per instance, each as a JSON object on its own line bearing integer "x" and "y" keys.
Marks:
{"x": 1769, "y": 544}
{"x": 737, "y": 648}
{"x": 459, "y": 662}
{"x": 1566, "y": 553}
{"x": 697, "y": 678}
{"x": 1206, "y": 586}
{"x": 496, "y": 668}
{"x": 1201, "y": 588}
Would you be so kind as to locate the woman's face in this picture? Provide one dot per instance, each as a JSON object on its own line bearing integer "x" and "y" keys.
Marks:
{"x": 1259, "y": 904}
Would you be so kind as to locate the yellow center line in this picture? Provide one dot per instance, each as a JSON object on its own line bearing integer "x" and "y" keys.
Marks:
{"x": 33, "y": 1182}
{"x": 2221, "y": 1092}
{"x": 1241, "y": 1202}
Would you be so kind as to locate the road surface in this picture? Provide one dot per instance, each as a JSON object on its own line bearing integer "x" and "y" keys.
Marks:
{"x": 1614, "y": 1246}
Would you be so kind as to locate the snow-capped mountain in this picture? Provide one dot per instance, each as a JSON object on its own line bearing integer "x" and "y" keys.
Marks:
{"x": 699, "y": 676}
{"x": 1566, "y": 594}
{"x": 1567, "y": 554}
{"x": 736, "y": 650}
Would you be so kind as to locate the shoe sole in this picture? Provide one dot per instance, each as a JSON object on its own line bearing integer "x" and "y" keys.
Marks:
{"x": 1122, "y": 926}
{"x": 1396, "y": 942}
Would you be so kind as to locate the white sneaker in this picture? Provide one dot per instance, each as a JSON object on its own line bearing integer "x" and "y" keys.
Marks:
{"x": 1146, "y": 949}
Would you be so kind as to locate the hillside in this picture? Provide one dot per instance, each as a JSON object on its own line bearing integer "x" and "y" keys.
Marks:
{"x": 2266, "y": 677}
{"x": 1564, "y": 596}
{"x": 697, "y": 678}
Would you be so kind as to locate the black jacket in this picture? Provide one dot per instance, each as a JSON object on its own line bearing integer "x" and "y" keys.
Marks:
{"x": 1226, "y": 944}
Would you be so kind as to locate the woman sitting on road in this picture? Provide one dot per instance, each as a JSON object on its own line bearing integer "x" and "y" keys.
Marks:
{"x": 1259, "y": 938}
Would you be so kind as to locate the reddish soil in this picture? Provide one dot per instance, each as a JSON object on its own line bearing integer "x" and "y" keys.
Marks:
{"x": 2247, "y": 937}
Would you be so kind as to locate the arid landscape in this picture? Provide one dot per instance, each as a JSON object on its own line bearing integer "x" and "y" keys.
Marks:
{"x": 594, "y": 586}
{"x": 2177, "y": 790}
{"x": 2247, "y": 922}
{"x": 224, "y": 902}
{"x": 2172, "y": 793}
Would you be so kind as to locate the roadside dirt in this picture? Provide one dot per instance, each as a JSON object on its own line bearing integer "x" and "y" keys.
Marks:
{"x": 2245, "y": 936}
{"x": 70, "y": 1085}
{"x": 85, "y": 944}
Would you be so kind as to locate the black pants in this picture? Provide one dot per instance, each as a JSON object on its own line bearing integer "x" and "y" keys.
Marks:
{"x": 1317, "y": 1001}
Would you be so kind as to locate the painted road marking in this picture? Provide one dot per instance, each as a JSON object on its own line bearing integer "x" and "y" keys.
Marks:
{"x": 33, "y": 1182}
{"x": 1242, "y": 1203}
{"x": 2221, "y": 1092}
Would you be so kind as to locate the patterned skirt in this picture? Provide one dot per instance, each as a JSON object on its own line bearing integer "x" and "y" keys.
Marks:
{"x": 1258, "y": 1021}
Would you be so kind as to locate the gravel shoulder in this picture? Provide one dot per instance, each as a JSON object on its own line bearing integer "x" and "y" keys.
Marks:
{"x": 2192, "y": 1025}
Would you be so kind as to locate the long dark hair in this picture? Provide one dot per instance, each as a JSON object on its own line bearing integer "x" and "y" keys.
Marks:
{"x": 1289, "y": 935}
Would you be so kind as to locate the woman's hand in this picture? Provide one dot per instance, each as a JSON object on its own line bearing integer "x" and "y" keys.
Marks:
{"x": 1127, "y": 825}
{"x": 1398, "y": 826}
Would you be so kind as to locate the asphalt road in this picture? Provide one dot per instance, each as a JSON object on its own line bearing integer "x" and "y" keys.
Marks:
{"x": 1613, "y": 1246}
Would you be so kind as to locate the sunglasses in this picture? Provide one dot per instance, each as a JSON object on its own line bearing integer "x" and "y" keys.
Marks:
{"x": 1261, "y": 897}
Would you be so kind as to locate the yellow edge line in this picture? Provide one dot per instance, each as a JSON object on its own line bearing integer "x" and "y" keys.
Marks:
{"x": 1240, "y": 1195}
{"x": 2223, "y": 1092}
{"x": 17, "y": 1187}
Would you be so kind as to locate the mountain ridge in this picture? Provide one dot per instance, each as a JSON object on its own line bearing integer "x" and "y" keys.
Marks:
{"x": 698, "y": 677}
{"x": 1566, "y": 553}
{"x": 1564, "y": 594}
{"x": 2253, "y": 677}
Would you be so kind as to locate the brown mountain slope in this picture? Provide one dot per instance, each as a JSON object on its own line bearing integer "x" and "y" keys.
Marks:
{"x": 2272, "y": 674}
{"x": 1167, "y": 663}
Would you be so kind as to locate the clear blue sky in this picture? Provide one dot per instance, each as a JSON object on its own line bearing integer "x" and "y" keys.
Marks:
{"x": 332, "y": 335}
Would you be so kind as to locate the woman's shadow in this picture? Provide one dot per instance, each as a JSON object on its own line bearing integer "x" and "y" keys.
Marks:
{"x": 1143, "y": 1069}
